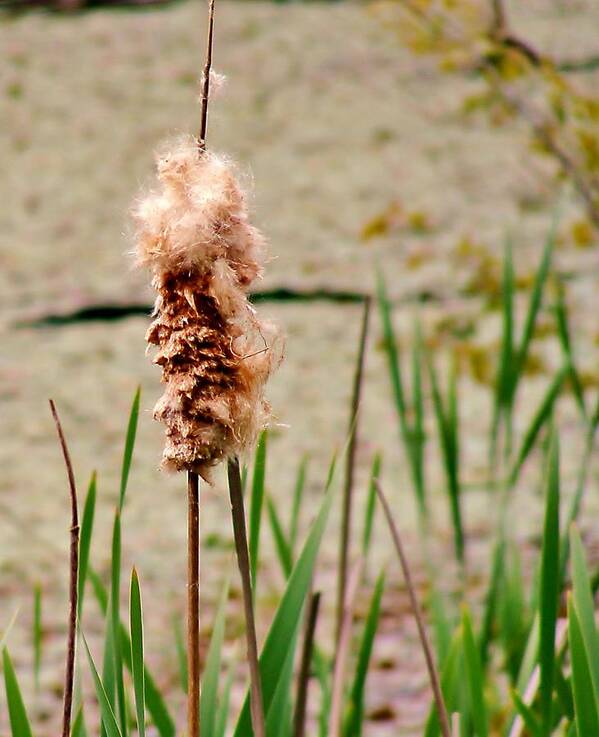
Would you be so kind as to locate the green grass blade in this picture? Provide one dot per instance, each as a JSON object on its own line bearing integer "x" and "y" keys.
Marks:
{"x": 563, "y": 331}
{"x": 451, "y": 678}
{"x": 355, "y": 716}
{"x": 298, "y": 495}
{"x": 447, "y": 428}
{"x": 154, "y": 701}
{"x": 474, "y": 678}
{"x": 583, "y": 601}
{"x": 418, "y": 434}
{"x": 408, "y": 439}
{"x": 375, "y": 473}
{"x": 502, "y": 395}
{"x": 585, "y": 700}
{"x": 129, "y": 446}
{"x": 37, "y": 635}
{"x": 115, "y": 619}
{"x": 209, "y": 693}
{"x": 108, "y": 717}
{"x": 181, "y": 654}
{"x": 534, "y": 307}
{"x": 137, "y": 653}
{"x": 87, "y": 526}
{"x": 530, "y": 720}
{"x": 222, "y": 713}
{"x": 79, "y": 729}
{"x": 281, "y": 544}
{"x": 287, "y": 618}
{"x": 278, "y": 713}
{"x": 540, "y": 418}
{"x": 549, "y": 586}
{"x": 17, "y": 714}
{"x": 256, "y": 505}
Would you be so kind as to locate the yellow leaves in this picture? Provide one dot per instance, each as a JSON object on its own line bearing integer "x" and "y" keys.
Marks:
{"x": 589, "y": 144}
{"x": 395, "y": 219}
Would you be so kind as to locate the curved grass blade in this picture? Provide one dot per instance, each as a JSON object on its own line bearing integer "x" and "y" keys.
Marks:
{"x": 79, "y": 729}
{"x": 286, "y": 620}
{"x": 530, "y": 720}
{"x": 137, "y": 653}
{"x": 540, "y": 418}
{"x": 257, "y": 502}
{"x": 563, "y": 331}
{"x": 114, "y": 622}
{"x": 87, "y": 525}
{"x": 298, "y": 495}
{"x": 108, "y": 718}
{"x": 278, "y": 717}
{"x": 129, "y": 446}
{"x": 222, "y": 712}
{"x": 209, "y": 692}
{"x": 355, "y": 716}
{"x": 375, "y": 473}
{"x": 154, "y": 701}
{"x": 583, "y": 601}
{"x": 282, "y": 545}
{"x": 17, "y": 714}
{"x": 585, "y": 700}
{"x": 474, "y": 678}
{"x": 549, "y": 586}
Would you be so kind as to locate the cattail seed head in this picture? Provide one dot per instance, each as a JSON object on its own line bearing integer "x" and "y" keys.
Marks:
{"x": 216, "y": 354}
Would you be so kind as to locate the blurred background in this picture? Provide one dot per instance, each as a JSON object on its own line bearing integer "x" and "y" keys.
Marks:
{"x": 365, "y": 138}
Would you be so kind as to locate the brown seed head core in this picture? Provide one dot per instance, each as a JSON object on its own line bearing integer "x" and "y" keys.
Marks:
{"x": 216, "y": 355}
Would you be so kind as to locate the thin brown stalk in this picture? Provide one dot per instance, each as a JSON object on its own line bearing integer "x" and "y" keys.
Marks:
{"x": 243, "y": 560}
{"x": 206, "y": 78}
{"x": 299, "y": 719}
{"x": 418, "y": 616}
{"x": 350, "y": 464}
{"x": 343, "y": 646}
{"x": 193, "y": 604}
{"x": 455, "y": 724}
{"x": 73, "y": 574}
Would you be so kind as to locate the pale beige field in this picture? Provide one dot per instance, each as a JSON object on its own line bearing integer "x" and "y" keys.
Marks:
{"x": 330, "y": 120}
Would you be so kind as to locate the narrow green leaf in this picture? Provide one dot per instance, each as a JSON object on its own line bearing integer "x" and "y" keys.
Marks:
{"x": 115, "y": 618}
{"x": 286, "y": 620}
{"x": 17, "y": 714}
{"x": 281, "y": 544}
{"x": 563, "y": 332}
{"x": 108, "y": 718}
{"x": 540, "y": 418}
{"x": 79, "y": 729}
{"x": 474, "y": 677}
{"x": 278, "y": 713}
{"x": 375, "y": 472}
{"x": 87, "y": 525}
{"x": 549, "y": 586}
{"x": 355, "y": 715}
{"x": 298, "y": 495}
{"x": 222, "y": 713}
{"x": 585, "y": 700}
{"x": 451, "y": 680}
{"x": 585, "y": 610}
{"x": 181, "y": 654}
{"x": 137, "y": 653}
{"x": 256, "y": 504}
{"x": 209, "y": 693}
{"x": 154, "y": 700}
{"x": 129, "y": 446}
{"x": 530, "y": 720}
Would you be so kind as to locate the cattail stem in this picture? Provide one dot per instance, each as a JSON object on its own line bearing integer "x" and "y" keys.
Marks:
{"x": 193, "y": 604}
{"x": 243, "y": 560}
{"x": 74, "y": 571}
{"x": 206, "y": 78}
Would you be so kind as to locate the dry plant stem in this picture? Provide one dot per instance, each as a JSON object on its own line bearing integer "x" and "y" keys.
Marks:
{"x": 74, "y": 569}
{"x": 193, "y": 604}
{"x": 243, "y": 560}
{"x": 418, "y": 616}
{"x": 299, "y": 719}
{"x": 206, "y": 78}
{"x": 455, "y": 724}
{"x": 343, "y": 646}
{"x": 349, "y": 469}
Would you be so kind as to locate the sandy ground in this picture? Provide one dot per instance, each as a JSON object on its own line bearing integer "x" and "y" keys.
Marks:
{"x": 330, "y": 120}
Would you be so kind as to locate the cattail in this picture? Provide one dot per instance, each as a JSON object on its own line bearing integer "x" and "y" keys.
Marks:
{"x": 216, "y": 354}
